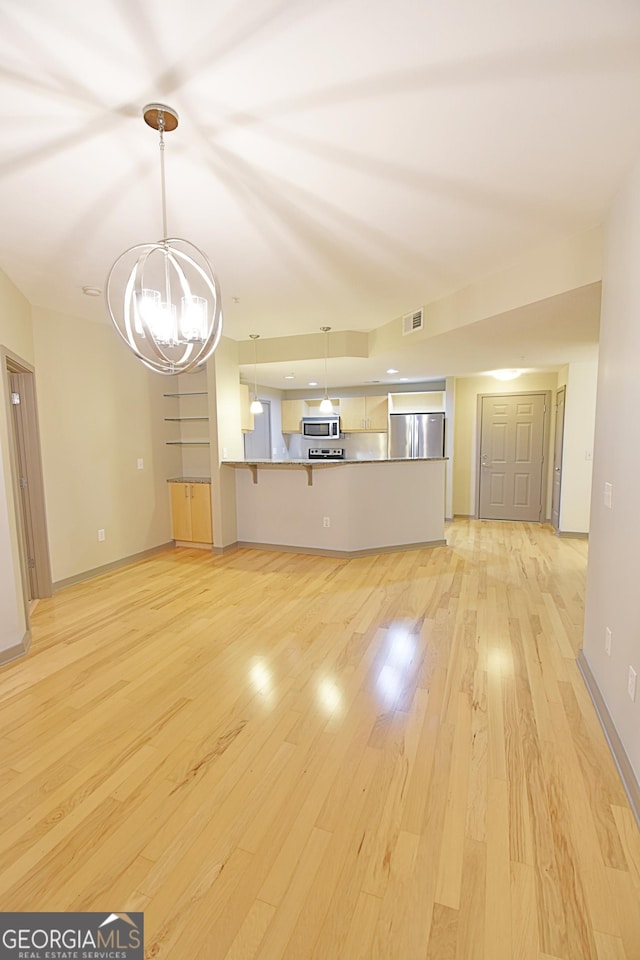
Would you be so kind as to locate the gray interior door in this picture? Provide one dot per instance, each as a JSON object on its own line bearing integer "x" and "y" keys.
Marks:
{"x": 557, "y": 459}
{"x": 511, "y": 457}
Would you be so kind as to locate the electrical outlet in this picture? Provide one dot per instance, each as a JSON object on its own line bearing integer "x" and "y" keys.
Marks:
{"x": 326, "y": 521}
{"x": 100, "y": 534}
{"x": 631, "y": 683}
{"x": 608, "y": 494}
{"x": 140, "y": 463}
{"x": 607, "y": 641}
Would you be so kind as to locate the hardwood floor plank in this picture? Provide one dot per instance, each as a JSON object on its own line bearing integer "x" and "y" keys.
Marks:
{"x": 496, "y": 909}
{"x": 443, "y": 938}
{"x": 449, "y": 883}
{"x": 524, "y": 911}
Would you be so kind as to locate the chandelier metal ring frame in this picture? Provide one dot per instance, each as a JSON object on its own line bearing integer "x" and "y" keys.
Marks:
{"x": 168, "y": 337}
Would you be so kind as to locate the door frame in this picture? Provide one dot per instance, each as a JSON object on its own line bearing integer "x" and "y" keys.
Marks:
{"x": 546, "y": 432}
{"x": 12, "y": 364}
{"x": 557, "y": 464}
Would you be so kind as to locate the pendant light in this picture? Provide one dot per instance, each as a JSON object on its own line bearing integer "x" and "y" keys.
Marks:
{"x": 326, "y": 406}
{"x": 163, "y": 297}
{"x": 256, "y": 406}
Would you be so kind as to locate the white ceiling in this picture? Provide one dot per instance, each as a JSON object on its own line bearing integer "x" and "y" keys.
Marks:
{"x": 341, "y": 162}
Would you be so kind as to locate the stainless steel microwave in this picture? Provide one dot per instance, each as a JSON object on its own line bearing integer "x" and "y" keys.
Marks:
{"x": 326, "y": 428}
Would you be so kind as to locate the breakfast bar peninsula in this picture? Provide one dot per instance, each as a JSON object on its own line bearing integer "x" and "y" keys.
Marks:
{"x": 340, "y": 508}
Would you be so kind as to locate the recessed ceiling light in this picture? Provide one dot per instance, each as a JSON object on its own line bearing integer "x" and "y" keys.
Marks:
{"x": 312, "y": 383}
{"x": 289, "y": 376}
{"x": 505, "y": 374}
{"x": 92, "y": 291}
{"x": 392, "y": 370}
{"x": 404, "y": 379}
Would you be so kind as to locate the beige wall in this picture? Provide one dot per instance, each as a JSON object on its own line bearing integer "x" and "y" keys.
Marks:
{"x": 466, "y": 431}
{"x": 577, "y": 450}
{"x": 100, "y": 410}
{"x": 226, "y": 438}
{"x": 16, "y": 337}
{"x": 612, "y": 585}
{"x": 565, "y": 264}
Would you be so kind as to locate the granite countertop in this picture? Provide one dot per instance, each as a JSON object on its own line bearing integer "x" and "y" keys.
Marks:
{"x": 315, "y": 463}
{"x": 189, "y": 480}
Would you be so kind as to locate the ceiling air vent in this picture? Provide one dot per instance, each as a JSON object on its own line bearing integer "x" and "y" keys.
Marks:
{"x": 412, "y": 322}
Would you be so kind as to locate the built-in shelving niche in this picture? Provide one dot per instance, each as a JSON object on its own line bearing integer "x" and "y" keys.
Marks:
{"x": 187, "y": 425}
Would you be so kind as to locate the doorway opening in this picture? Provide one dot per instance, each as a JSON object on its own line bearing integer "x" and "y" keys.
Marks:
{"x": 28, "y": 483}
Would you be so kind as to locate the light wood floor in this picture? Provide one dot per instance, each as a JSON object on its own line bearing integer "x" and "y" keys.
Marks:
{"x": 291, "y": 757}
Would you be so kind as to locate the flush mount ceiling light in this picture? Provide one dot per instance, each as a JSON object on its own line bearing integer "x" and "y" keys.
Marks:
{"x": 256, "y": 406}
{"x": 163, "y": 297}
{"x": 326, "y": 405}
{"x": 506, "y": 374}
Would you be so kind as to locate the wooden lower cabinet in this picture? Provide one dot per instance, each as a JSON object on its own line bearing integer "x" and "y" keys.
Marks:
{"x": 191, "y": 512}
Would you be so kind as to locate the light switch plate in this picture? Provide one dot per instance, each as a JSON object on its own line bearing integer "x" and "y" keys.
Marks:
{"x": 608, "y": 494}
{"x": 631, "y": 683}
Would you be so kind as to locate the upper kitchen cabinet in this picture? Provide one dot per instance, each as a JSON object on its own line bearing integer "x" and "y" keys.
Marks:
{"x": 292, "y": 413}
{"x": 364, "y": 414}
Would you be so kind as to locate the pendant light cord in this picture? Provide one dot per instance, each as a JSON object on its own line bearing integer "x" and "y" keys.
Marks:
{"x": 162, "y": 177}
{"x": 255, "y": 369}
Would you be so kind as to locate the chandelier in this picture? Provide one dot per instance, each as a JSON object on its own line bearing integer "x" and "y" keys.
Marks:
{"x": 163, "y": 297}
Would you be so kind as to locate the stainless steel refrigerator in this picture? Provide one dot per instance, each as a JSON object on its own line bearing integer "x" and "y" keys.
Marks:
{"x": 413, "y": 435}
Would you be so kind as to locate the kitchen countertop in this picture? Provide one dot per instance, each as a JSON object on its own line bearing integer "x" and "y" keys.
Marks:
{"x": 189, "y": 480}
{"x": 330, "y": 462}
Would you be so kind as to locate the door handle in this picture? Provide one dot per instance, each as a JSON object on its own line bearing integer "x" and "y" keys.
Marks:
{"x": 485, "y": 460}
{"x": 557, "y": 469}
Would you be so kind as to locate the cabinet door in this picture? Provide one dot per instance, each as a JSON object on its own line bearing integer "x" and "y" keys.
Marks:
{"x": 292, "y": 412}
{"x": 352, "y": 414}
{"x": 181, "y": 510}
{"x": 201, "y": 527}
{"x": 377, "y": 414}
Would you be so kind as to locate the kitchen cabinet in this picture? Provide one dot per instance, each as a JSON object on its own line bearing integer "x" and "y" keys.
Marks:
{"x": 292, "y": 413}
{"x": 191, "y": 512}
{"x": 247, "y": 423}
{"x": 364, "y": 414}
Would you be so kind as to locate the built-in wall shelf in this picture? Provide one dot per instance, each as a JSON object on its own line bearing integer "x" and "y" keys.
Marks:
{"x": 190, "y": 393}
